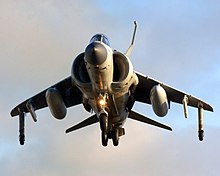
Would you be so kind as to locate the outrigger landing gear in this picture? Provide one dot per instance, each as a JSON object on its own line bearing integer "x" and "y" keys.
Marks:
{"x": 201, "y": 135}
{"x": 200, "y": 123}
{"x": 21, "y": 127}
{"x": 200, "y": 116}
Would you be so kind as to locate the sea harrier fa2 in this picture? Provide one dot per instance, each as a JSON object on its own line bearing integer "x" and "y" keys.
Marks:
{"x": 104, "y": 82}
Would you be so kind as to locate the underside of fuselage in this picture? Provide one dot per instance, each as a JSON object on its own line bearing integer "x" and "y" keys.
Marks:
{"x": 107, "y": 81}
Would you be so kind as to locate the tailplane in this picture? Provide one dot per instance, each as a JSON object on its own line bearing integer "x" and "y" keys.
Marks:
{"x": 135, "y": 116}
{"x": 91, "y": 120}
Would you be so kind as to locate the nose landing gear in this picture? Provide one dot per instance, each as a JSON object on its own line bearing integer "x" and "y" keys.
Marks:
{"x": 103, "y": 122}
{"x": 104, "y": 139}
{"x": 104, "y": 128}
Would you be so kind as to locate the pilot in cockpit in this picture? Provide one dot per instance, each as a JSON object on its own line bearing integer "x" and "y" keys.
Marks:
{"x": 101, "y": 38}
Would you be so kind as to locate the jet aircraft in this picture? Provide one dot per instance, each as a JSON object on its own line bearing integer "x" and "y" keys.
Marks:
{"x": 104, "y": 82}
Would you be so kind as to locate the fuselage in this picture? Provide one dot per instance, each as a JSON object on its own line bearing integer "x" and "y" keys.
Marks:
{"x": 106, "y": 80}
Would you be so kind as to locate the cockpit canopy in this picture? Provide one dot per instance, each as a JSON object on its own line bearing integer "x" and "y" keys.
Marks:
{"x": 100, "y": 38}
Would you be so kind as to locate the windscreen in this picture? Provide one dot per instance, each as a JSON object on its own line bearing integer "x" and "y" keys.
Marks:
{"x": 100, "y": 38}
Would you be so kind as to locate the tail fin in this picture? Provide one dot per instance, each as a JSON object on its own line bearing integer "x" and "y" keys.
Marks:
{"x": 129, "y": 50}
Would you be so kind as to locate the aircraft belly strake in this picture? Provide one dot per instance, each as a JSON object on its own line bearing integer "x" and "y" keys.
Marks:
{"x": 105, "y": 83}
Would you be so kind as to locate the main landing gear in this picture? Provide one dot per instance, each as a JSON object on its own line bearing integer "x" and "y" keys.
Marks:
{"x": 109, "y": 132}
{"x": 113, "y": 135}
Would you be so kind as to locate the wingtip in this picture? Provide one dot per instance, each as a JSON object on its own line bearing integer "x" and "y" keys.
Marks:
{"x": 12, "y": 113}
{"x": 209, "y": 108}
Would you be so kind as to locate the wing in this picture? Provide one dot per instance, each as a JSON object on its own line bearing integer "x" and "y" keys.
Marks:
{"x": 71, "y": 96}
{"x": 142, "y": 93}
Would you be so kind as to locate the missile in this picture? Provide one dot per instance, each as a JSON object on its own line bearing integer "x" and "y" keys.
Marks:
{"x": 185, "y": 102}
{"x": 31, "y": 109}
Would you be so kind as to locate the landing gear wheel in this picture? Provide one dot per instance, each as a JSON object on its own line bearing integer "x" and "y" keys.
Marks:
{"x": 21, "y": 139}
{"x": 115, "y": 138}
{"x": 104, "y": 139}
{"x": 103, "y": 123}
{"x": 201, "y": 135}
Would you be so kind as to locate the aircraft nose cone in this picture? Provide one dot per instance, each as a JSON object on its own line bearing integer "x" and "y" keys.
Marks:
{"x": 95, "y": 54}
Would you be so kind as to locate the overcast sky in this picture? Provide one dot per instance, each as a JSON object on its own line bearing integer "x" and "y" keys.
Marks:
{"x": 178, "y": 42}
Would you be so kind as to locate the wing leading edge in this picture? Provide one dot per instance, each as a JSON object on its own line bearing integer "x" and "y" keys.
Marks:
{"x": 70, "y": 94}
{"x": 142, "y": 93}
